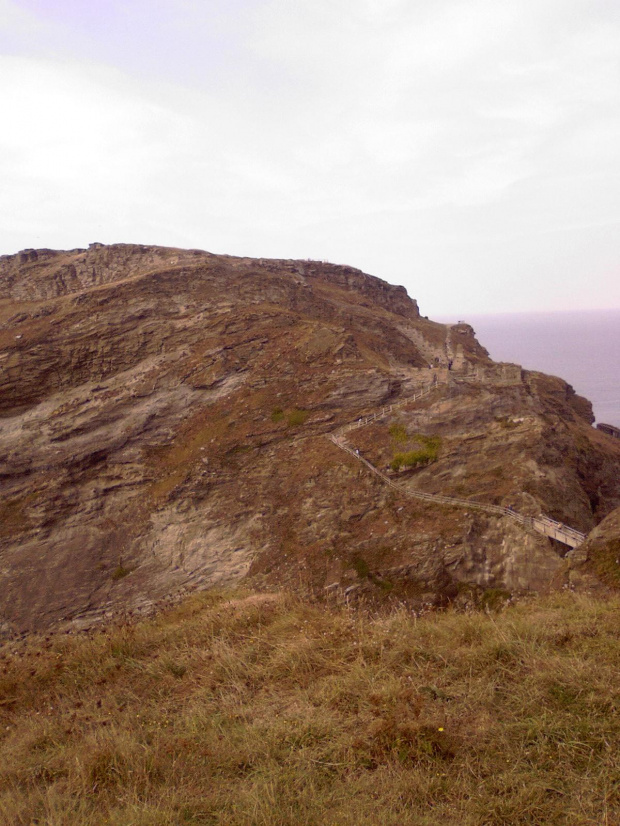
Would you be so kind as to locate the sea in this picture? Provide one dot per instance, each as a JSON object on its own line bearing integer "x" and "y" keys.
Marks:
{"x": 583, "y": 348}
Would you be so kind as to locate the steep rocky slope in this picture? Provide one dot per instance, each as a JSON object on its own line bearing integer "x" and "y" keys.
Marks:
{"x": 596, "y": 563}
{"x": 164, "y": 421}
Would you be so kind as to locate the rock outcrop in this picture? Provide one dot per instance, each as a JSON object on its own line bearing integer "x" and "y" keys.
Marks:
{"x": 595, "y": 565}
{"x": 163, "y": 426}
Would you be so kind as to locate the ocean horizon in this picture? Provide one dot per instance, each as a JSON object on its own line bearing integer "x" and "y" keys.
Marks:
{"x": 581, "y": 347}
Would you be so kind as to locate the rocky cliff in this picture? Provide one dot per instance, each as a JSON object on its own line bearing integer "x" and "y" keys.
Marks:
{"x": 164, "y": 423}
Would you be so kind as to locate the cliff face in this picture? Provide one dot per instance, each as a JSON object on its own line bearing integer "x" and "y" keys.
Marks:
{"x": 595, "y": 565}
{"x": 164, "y": 421}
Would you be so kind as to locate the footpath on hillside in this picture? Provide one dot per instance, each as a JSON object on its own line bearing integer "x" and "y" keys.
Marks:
{"x": 541, "y": 524}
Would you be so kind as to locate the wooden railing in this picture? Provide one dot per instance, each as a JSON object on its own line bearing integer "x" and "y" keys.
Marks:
{"x": 541, "y": 524}
{"x": 385, "y": 411}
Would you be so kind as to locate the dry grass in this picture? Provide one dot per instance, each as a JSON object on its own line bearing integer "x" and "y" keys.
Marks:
{"x": 248, "y": 709}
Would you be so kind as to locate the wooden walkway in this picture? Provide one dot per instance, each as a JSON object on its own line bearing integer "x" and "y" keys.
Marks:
{"x": 541, "y": 524}
{"x": 385, "y": 411}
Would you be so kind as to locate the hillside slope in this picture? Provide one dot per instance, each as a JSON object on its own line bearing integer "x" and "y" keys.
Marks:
{"x": 164, "y": 421}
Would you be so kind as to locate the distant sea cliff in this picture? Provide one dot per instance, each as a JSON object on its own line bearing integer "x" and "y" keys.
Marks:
{"x": 581, "y": 347}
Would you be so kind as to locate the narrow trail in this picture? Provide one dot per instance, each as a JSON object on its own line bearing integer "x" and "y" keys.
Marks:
{"x": 541, "y": 524}
{"x": 385, "y": 411}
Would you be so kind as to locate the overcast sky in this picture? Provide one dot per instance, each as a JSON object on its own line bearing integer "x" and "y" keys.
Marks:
{"x": 468, "y": 149}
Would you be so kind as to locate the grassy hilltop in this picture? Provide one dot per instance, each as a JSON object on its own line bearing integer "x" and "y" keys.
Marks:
{"x": 260, "y": 710}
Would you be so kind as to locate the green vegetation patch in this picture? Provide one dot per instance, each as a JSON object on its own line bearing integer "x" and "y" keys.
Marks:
{"x": 297, "y": 417}
{"x": 492, "y": 599}
{"x": 293, "y": 418}
{"x": 398, "y": 432}
{"x": 424, "y": 455}
{"x": 362, "y": 569}
{"x": 120, "y": 572}
{"x": 277, "y": 414}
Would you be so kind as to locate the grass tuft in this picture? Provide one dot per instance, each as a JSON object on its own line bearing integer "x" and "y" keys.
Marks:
{"x": 423, "y": 455}
{"x": 277, "y": 414}
{"x": 120, "y": 572}
{"x": 297, "y": 417}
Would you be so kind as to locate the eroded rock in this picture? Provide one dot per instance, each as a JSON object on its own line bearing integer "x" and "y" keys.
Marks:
{"x": 164, "y": 421}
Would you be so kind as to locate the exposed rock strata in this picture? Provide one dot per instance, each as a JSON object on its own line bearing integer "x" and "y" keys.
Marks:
{"x": 596, "y": 563}
{"x": 163, "y": 426}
